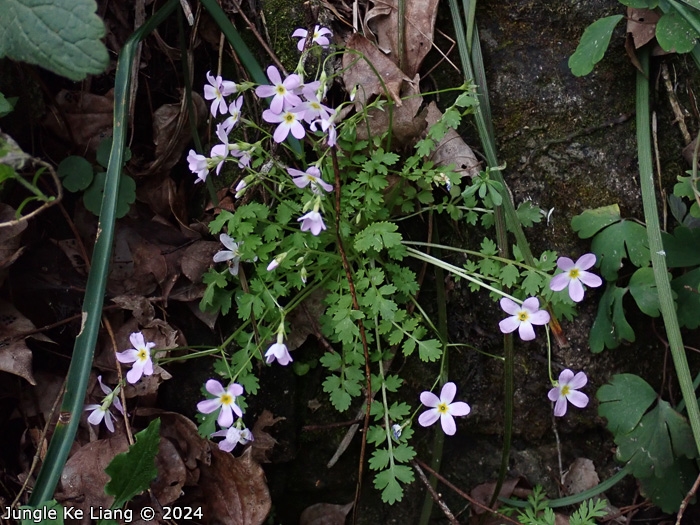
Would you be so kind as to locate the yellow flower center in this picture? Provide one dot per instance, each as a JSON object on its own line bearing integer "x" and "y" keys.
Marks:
{"x": 574, "y": 273}
{"x": 226, "y": 398}
{"x": 565, "y": 390}
{"x": 442, "y": 408}
{"x": 281, "y": 90}
{"x": 142, "y": 355}
{"x": 289, "y": 117}
{"x": 523, "y": 316}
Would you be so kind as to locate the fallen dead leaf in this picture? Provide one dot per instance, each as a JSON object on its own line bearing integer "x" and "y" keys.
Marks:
{"x": 452, "y": 149}
{"x": 172, "y": 473}
{"x": 263, "y": 442}
{"x": 15, "y": 355}
{"x": 359, "y": 73}
{"x": 231, "y": 491}
{"x": 84, "y": 478}
{"x": 420, "y": 15}
{"x": 482, "y": 493}
{"x": 325, "y": 514}
{"x": 88, "y": 117}
{"x": 140, "y": 307}
{"x": 10, "y": 239}
{"x": 580, "y": 476}
{"x": 641, "y": 24}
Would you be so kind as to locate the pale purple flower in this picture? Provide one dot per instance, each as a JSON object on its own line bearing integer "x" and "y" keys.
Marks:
{"x": 234, "y": 110}
{"x": 232, "y": 437}
{"x": 279, "y": 352}
{"x": 225, "y": 399}
{"x": 328, "y": 127}
{"x": 311, "y": 176}
{"x": 140, "y": 355}
{"x": 312, "y": 221}
{"x": 288, "y": 121}
{"x": 198, "y": 165}
{"x": 312, "y": 109}
{"x": 567, "y": 389}
{"x": 281, "y": 91}
{"x": 244, "y": 153}
{"x": 216, "y": 91}
{"x": 101, "y": 412}
{"x": 319, "y": 37}
{"x": 575, "y": 276}
{"x": 231, "y": 255}
{"x": 443, "y": 408}
{"x": 523, "y": 317}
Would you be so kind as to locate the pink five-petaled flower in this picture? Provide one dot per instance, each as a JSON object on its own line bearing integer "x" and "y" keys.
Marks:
{"x": 522, "y": 317}
{"x": 100, "y": 412}
{"x": 231, "y": 256}
{"x": 225, "y": 399}
{"x": 443, "y": 408}
{"x": 311, "y": 176}
{"x": 216, "y": 91}
{"x": 575, "y": 276}
{"x": 281, "y": 91}
{"x": 312, "y": 221}
{"x": 279, "y": 352}
{"x": 288, "y": 121}
{"x": 567, "y": 389}
{"x": 198, "y": 165}
{"x": 140, "y": 355}
{"x": 234, "y": 110}
{"x": 233, "y": 436}
{"x": 312, "y": 109}
{"x": 319, "y": 36}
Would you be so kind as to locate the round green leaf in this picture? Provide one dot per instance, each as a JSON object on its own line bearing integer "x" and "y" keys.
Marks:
{"x": 76, "y": 173}
{"x": 594, "y": 43}
{"x": 127, "y": 194}
{"x": 675, "y": 34}
{"x": 643, "y": 288}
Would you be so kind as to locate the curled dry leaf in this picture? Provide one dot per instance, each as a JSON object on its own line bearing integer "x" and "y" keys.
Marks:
{"x": 172, "y": 473}
{"x": 420, "y": 15}
{"x": 580, "y": 476}
{"x": 231, "y": 491}
{"x": 15, "y": 355}
{"x": 10, "y": 237}
{"x": 88, "y": 117}
{"x": 325, "y": 514}
{"x": 452, "y": 149}
{"x": 171, "y": 131}
{"x": 482, "y": 493}
{"x": 359, "y": 73}
{"x": 83, "y": 479}
{"x": 264, "y": 442}
{"x": 406, "y": 123}
{"x": 140, "y": 307}
{"x": 303, "y": 321}
{"x": 641, "y": 24}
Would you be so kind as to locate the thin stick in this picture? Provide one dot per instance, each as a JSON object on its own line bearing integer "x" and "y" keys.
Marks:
{"x": 464, "y": 494}
{"x": 687, "y": 499}
{"x": 436, "y": 497}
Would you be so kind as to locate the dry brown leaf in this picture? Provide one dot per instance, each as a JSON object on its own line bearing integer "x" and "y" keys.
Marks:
{"x": 325, "y": 514}
{"x": 641, "y": 24}
{"x": 359, "y": 73}
{"x": 406, "y": 124}
{"x": 264, "y": 442}
{"x": 10, "y": 237}
{"x": 83, "y": 479}
{"x": 197, "y": 258}
{"x": 171, "y": 130}
{"x": 420, "y": 17}
{"x": 88, "y": 117}
{"x": 482, "y": 493}
{"x": 452, "y": 149}
{"x": 15, "y": 356}
{"x": 303, "y": 321}
{"x": 231, "y": 491}
{"x": 172, "y": 473}
{"x": 140, "y": 307}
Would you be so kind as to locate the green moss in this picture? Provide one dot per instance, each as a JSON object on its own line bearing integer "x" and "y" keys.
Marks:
{"x": 282, "y": 17}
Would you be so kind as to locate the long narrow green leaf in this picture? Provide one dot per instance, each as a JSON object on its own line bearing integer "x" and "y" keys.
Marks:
{"x": 84, "y": 349}
{"x": 658, "y": 256}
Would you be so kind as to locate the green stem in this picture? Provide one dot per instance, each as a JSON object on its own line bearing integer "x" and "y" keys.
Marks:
{"x": 658, "y": 261}
{"x": 81, "y": 362}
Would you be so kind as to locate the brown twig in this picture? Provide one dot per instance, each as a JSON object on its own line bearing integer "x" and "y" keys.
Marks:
{"x": 687, "y": 499}
{"x": 262, "y": 41}
{"x": 120, "y": 375}
{"x": 464, "y": 494}
{"x": 360, "y": 325}
{"x": 313, "y": 428}
{"x": 433, "y": 494}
